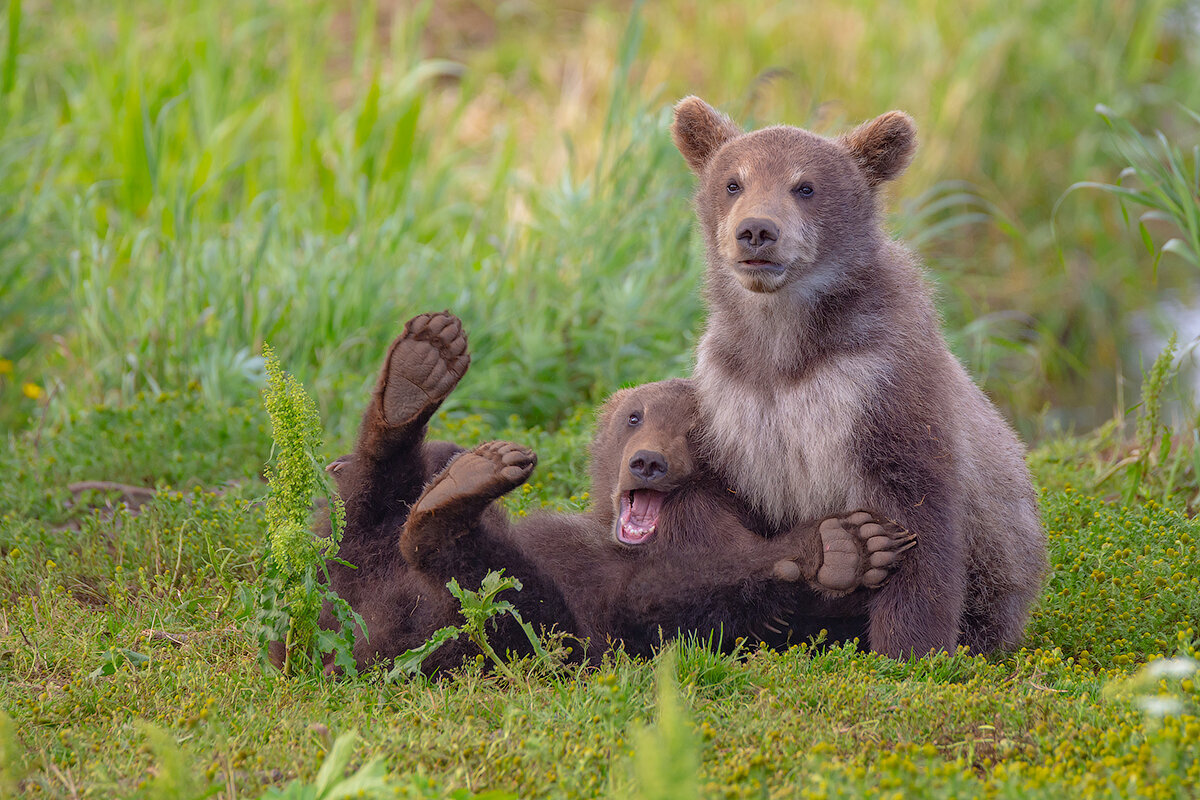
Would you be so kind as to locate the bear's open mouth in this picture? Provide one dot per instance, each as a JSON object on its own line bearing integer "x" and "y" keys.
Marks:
{"x": 639, "y": 515}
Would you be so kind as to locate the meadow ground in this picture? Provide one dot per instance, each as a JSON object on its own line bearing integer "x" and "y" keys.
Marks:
{"x": 181, "y": 183}
{"x": 87, "y": 580}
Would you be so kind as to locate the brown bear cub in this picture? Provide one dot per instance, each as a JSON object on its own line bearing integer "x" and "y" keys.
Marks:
{"x": 663, "y": 553}
{"x": 663, "y": 549}
{"x": 403, "y": 604}
{"x": 825, "y": 383}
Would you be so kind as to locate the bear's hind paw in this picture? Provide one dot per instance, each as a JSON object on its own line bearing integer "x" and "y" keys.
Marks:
{"x": 482, "y": 474}
{"x": 423, "y": 366}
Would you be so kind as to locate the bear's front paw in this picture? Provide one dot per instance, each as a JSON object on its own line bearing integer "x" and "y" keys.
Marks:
{"x": 423, "y": 366}
{"x": 860, "y": 551}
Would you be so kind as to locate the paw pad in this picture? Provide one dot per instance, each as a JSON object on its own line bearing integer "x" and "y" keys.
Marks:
{"x": 479, "y": 475}
{"x": 423, "y": 366}
{"x": 859, "y": 551}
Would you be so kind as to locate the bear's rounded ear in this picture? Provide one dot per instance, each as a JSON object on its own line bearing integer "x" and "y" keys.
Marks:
{"x": 883, "y": 147}
{"x": 699, "y": 130}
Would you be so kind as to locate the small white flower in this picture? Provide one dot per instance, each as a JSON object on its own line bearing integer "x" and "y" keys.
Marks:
{"x": 1162, "y": 705}
{"x": 1180, "y": 667}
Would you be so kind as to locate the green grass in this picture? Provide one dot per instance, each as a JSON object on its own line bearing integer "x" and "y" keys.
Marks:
{"x": 80, "y": 674}
{"x": 190, "y": 211}
{"x": 181, "y": 183}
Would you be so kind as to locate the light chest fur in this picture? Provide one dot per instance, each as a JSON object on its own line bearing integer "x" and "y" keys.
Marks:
{"x": 788, "y": 446}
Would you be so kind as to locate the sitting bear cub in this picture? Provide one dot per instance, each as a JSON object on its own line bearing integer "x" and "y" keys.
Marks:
{"x": 825, "y": 382}
{"x": 662, "y": 551}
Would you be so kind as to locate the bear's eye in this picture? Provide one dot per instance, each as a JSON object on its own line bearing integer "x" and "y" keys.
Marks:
{"x": 733, "y": 187}
{"x": 804, "y": 190}
{"x": 635, "y": 418}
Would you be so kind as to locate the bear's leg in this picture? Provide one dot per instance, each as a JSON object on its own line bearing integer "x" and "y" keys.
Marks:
{"x": 911, "y": 477}
{"x": 920, "y": 608}
{"x": 391, "y": 461}
{"x": 457, "y": 497}
{"x": 859, "y": 552}
{"x": 1006, "y": 574}
{"x": 422, "y": 367}
{"x": 981, "y": 633}
{"x": 999, "y": 623}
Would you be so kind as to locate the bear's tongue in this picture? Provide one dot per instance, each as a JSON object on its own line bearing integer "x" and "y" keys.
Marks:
{"x": 639, "y": 515}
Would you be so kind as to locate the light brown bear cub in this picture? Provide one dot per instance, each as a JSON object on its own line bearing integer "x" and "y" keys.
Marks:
{"x": 825, "y": 382}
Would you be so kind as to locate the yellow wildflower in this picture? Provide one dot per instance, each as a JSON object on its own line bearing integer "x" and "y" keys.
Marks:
{"x": 6, "y": 366}
{"x": 31, "y": 390}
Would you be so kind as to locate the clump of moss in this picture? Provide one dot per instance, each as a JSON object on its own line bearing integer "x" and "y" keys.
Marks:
{"x": 1124, "y": 581}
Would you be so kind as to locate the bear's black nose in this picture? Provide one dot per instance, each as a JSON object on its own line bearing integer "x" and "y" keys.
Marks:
{"x": 648, "y": 465}
{"x": 756, "y": 232}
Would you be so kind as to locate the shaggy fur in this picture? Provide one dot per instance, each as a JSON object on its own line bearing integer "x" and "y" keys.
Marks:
{"x": 825, "y": 382}
{"x": 420, "y": 513}
{"x": 402, "y": 604}
{"x": 701, "y": 569}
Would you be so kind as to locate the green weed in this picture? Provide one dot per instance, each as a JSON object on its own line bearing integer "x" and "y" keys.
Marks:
{"x": 332, "y": 782}
{"x": 11, "y": 757}
{"x": 666, "y": 760}
{"x": 1160, "y": 463}
{"x": 477, "y": 609}
{"x": 295, "y": 580}
{"x": 173, "y": 778}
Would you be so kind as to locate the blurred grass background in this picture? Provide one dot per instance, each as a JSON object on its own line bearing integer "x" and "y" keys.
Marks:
{"x": 182, "y": 181}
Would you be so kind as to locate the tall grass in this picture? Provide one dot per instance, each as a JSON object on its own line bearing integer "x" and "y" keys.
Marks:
{"x": 1161, "y": 186}
{"x": 181, "y": 182}
{"x": 1159, "y": 180}
{"x": 212, "y": 203}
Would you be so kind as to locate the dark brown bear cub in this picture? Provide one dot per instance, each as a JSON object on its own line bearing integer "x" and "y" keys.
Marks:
{"x": 825, "y": 382}
{"x": 420, "y": 513}
{"x": 663, "y": 550}
{"x": 403, "y": 603}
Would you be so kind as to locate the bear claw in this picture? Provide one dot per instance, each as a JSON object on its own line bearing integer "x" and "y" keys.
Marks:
{"x": 859, "y": 551}
{"x": 423, "y": 366}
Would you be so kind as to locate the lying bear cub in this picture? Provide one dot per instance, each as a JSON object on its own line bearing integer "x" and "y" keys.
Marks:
{"x": 662, "y": 551}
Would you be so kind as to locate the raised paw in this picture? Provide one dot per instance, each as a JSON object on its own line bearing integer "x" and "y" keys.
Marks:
{"x": 423, "y": 366}
{"x": 859, "y": 551}
{"x": 485, "y": 473}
